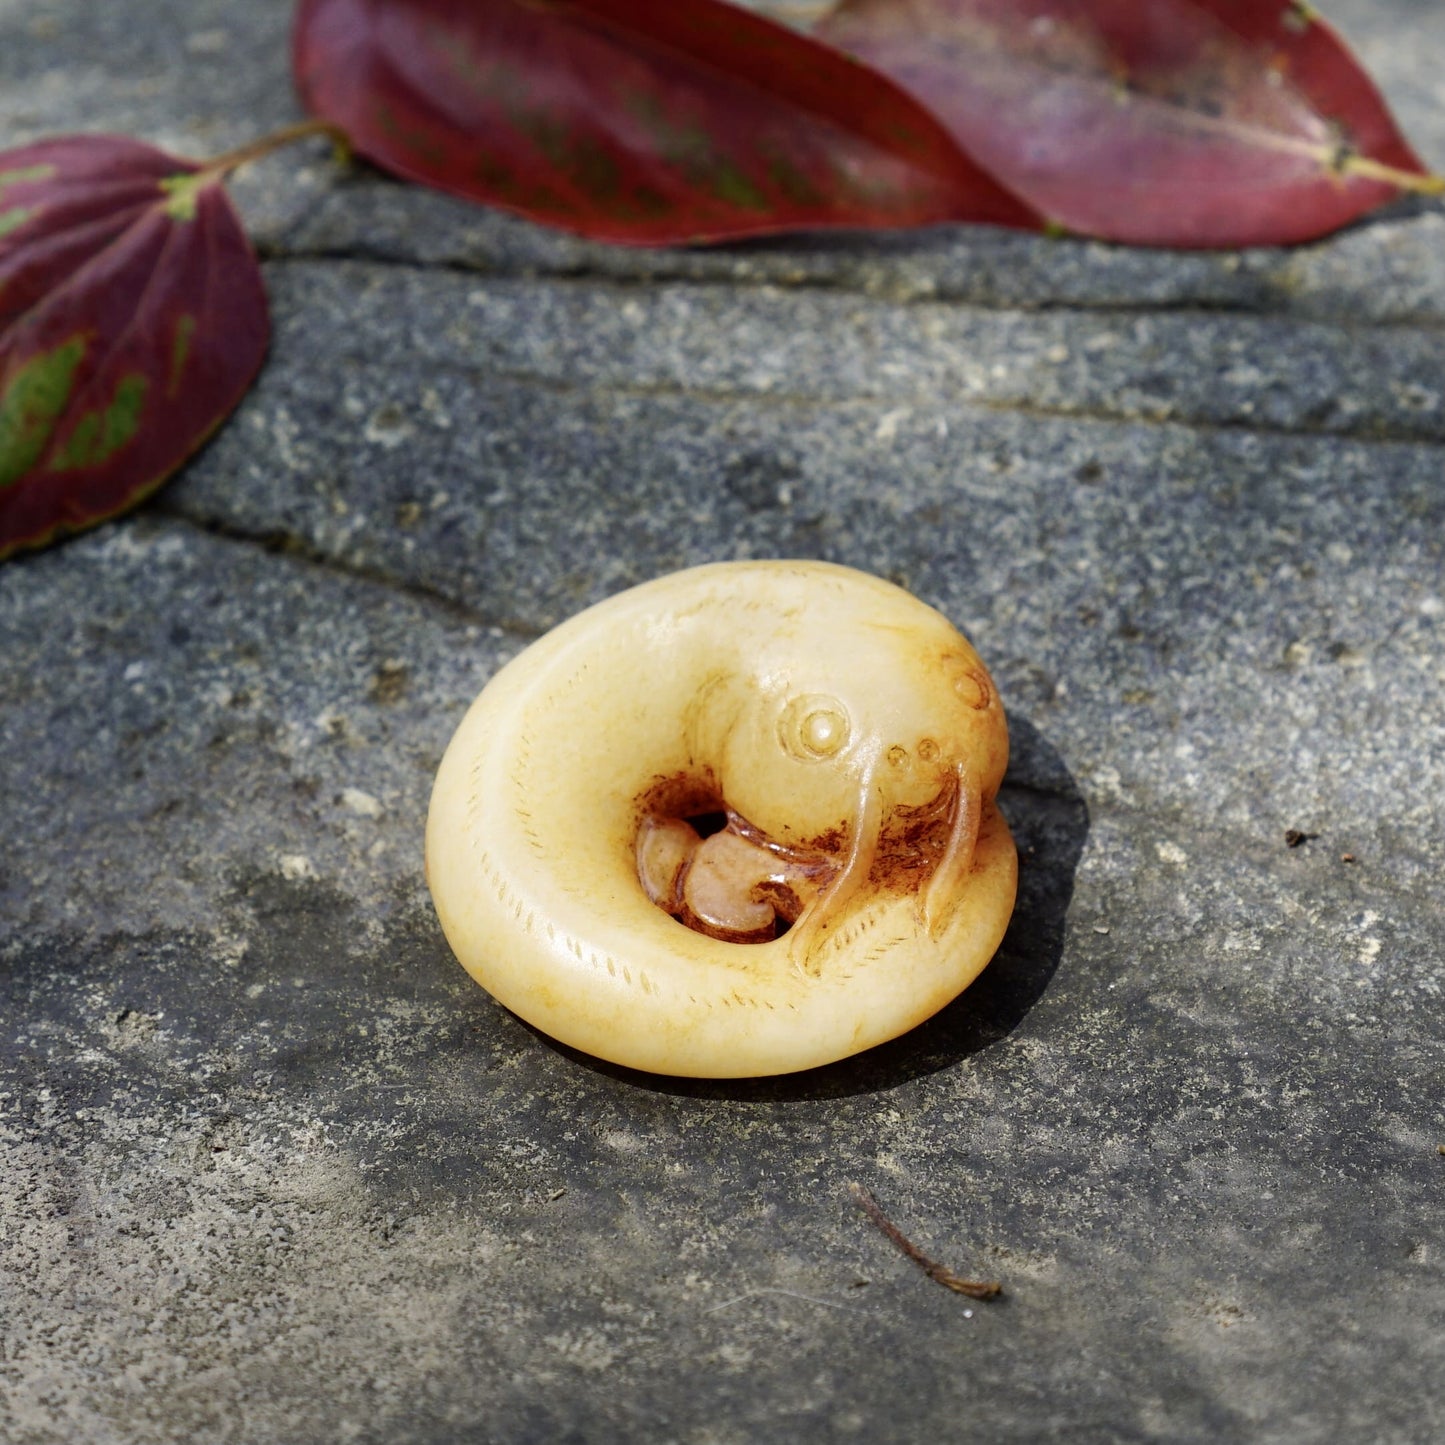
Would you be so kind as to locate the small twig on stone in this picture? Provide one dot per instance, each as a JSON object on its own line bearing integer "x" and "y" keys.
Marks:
{"x": 974, "y": 1289}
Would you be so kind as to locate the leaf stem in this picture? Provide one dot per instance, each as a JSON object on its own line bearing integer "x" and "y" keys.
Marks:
{"x": 1368, "y": 170}
{"x": 303, "y": 130}
{"x": 940, "y": 1274}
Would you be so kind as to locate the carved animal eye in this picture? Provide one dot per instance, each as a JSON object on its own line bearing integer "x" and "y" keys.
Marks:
{"x": 814, "y": 726}
{"x": 973, "y": 689}
{"x": 928, "y": 750}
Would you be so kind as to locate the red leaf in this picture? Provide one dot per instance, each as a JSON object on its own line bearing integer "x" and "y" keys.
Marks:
{"x": 132, "y": 320}
{"x": 1162, "y": 122}
{"x": 637, "y": 121}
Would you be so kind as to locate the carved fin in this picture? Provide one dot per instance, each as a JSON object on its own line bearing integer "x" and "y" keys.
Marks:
{"x": 946, "y": 884}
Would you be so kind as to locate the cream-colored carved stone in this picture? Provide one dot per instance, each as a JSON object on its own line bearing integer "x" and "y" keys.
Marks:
{"x": 855, "y": 743}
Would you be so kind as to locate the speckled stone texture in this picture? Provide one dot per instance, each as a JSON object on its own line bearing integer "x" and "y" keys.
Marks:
{"x": 274, "y": 1170}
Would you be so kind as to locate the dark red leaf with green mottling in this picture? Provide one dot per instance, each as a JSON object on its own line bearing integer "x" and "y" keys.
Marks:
{"x": 132, "y": 321}
{"x": 637, "y": 121}
{"x": 1163, "y": 122}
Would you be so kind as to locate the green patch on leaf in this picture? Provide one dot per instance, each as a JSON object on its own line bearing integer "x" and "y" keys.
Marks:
{"x": 184, "y": 192}
{"x": 591, "y": 167}
{"x": 485, "y": 77}
{"x": 99, "y": 435}
{"x": 412, "y": 137}
{"x": 26, "y": 175}
{"x": 13, "y": 219}
{"x": 693, "y": 151}
{"x": 645, "y": 203}
{"x": 495, "y": 176}
{"x": 555, "y": 140}
{"x": 729, "y": 182}
{"x": 794, "y": 184}
{"x": 180, "y": 350}
{"x": 34, "y": 397}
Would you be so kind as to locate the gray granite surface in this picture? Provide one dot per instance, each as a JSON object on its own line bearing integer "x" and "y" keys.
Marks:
{"x": 273, "y": 1170}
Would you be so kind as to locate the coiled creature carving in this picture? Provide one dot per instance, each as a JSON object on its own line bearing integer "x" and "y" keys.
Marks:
{"x": 737, "y": 821}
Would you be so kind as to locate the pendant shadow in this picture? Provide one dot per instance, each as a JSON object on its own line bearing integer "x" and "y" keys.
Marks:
{"x": 1050, "y": 823}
